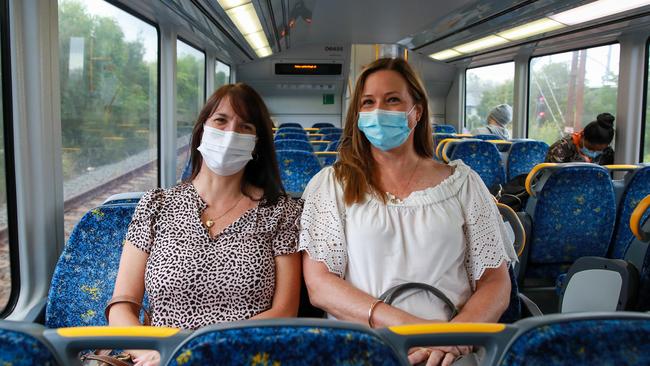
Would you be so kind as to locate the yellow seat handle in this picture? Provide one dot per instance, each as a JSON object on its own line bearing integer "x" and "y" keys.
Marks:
{"x": 621, "y": 167}
{"x": 440, "y": 146}
{"x": 533, "y": 173}
{"x": 445, "y": 147}
{"x": 635, "y": 219}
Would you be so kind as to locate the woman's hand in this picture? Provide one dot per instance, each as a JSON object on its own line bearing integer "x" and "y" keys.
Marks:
{"x": 434, "y": 356}
{"x": 145, "y": 358}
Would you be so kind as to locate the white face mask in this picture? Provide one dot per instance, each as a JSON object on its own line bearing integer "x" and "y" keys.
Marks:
{"x": 226, "y": 152}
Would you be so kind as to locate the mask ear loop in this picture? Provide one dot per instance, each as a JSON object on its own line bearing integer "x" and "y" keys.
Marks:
{"x": 407, "y": 116}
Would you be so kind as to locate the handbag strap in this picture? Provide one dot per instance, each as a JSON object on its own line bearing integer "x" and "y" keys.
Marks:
{"x": 110, "y": 360}
{"x": 130, "y": 300}
{"x": 392, "y": 293}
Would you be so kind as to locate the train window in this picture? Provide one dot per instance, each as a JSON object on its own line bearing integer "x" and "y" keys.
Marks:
{"x": 485, "y": 88}
{"x": 190, "y": 96}
{"x": 646, "y": 124}
{"x": 109, "y": 104}
{"x": 5, "y": 260}
{"x": 221, "y": 74}
{"x": 569, "y": 89}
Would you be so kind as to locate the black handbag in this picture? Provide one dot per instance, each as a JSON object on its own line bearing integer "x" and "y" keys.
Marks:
{"x": 392, "y": 293}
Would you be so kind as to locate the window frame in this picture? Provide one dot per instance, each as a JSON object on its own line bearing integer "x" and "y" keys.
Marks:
{"x": 644, "y": 103}
{"x": 571, "y": 49}
{"x": 465, "y": 84}
{"x": 10, "y": 175}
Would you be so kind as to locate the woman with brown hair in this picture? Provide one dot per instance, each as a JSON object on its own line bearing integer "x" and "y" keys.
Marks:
{"x": 386, "y": 213}
{"x": 221, "y": 246}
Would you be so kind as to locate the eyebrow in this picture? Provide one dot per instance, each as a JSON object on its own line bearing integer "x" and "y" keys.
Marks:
{"x": 385, "y": 94}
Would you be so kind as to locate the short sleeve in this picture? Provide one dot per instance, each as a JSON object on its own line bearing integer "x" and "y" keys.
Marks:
{"x": 322, "y": 233}
{"x": 484, "y": 230}
{"x": 141, "y": 229}
{"x": 285, "y": 240}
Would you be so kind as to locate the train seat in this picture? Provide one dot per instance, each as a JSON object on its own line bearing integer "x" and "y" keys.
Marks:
{"x": 291, "y": 130}
{"x": 572, "y": 207}
{"x": 291, "y": 136}
{"x": 327, "y": 158}
{"x": 636, "y": 186}
{"x": 323, "y": 125}
{"x": 290, "y": 124}
{"x": 326, "y": 130}
{"x": 286, "y": 342}
{"x": 293, "y": 144}
{"x": 438, "y": 137}
{"x": 84, "y": 276}
{"x": 482, "y": 156}
{"x": 523, "y": 156}
{"x": 126, "y": 197}
{"x": 581, "y": 340}
{"x": 22, "y": 344}
{"x": 297, "y": 168}
{"x": 333, "y": 145}
{"x": 444, "y": 129}
{"x": 332, "y": 136}
{"x": 640, "y": 225}
{"x": 486, "y": 137}
{"x": 320, "y": 145}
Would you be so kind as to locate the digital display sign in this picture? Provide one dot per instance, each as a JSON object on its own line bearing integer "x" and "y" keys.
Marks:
{"x": 308, "y": 69}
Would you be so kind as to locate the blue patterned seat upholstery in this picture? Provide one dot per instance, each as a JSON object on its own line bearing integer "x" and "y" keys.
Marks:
{"x": 290, "y": 124}
{"x": 21, "y": 347}
{"x": 637, "y": 186}
{"x": 523, "y": 156}
{"x": 486, "y": 137}
{"x": 332, "y": 136}
{"x": 291, "y": 136}
{"x": 323, "y": 125}
{"x": 326, "y": 130}
{"x": 297, "y": 168}
{"x": 333, "y": 146}
{"x": 573, "y": 212}
{"x": 581, "y": 341}
{"x": 284, "y": 345}
{"x": 483, "y": 157}
{"x": 291, "y": 130}
{"x": 437, "y": 137}
{"x": 301, "y": 145}
{"x": 84, "y": 276}
{"x": 444, "y": 129}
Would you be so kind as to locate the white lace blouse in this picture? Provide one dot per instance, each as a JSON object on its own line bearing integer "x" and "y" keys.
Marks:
{"x": 445, "y": 236}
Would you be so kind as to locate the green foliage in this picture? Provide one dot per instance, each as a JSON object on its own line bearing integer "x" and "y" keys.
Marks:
{"x": 189, "y": 92}
{"x": 109, "y": 106}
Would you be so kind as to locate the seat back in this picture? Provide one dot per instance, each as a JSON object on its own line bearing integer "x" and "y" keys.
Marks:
{"x": 291, "y": 144}
{"x": 327, "y": 158}
{"x": 637, "y": 186}
{"x": 437, "y": 138}
{"x": 523, "y": 156}
{"x": 333, "y": 145}
{"x": 22, "y": 344}
{"x": 286, "y": 342}
{"x": 323, "y": 125}
{"x": 581, "y": 340}
{"x": 291, "y": 130}
{"x": 290, "y": 124}
{"x": 297, "y": 168}
{"x": 572, "y": 207}
{"x": 444, "y": 129}
{"x": 332, "y": 136}
{"x": 291, "y": 136}
{"x": 84, "y": 276}
{"x": 126, "y": 197}
{"x": 486, "y": 137}
{"x": 482, "y": 156}
{"x": 326, "y": 130}
{"x": 599, "y": 284}
{"x": 640, "y": 224}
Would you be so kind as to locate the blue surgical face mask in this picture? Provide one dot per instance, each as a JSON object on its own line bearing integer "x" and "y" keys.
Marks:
{"x": 385, "y": 130}
{"x": 589, "y": 153}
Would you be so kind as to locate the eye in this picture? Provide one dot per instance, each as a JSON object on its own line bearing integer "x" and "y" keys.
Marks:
{"x": 366, "y": 102}
{"x": 393, "y": 100}
{"x": 248, "y": 127}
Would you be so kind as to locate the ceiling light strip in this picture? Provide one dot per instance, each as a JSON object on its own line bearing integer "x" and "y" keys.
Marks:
{"x": 242, "y": 13}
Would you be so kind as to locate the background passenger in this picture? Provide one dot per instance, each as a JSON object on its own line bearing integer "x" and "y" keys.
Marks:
{"x": 386, "y": 213}
{"x": 496, "y": 122}
{"x": 590, "y": 145}
{"x": 221, "y": 246}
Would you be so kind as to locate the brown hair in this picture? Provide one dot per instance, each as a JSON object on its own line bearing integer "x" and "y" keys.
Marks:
{"x": 355, "y": 168}
{"x": 262, "y": 171}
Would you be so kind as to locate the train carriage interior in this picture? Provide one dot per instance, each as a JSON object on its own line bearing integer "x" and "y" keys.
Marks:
{"x": 100, "y": 99}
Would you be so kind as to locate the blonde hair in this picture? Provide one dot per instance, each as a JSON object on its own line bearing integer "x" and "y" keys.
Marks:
{"x": 355, "y": 168}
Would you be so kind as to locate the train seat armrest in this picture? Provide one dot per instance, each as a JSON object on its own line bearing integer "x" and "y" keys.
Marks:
{"x": 37, "y": 313}
{"x": 529, "y": 307}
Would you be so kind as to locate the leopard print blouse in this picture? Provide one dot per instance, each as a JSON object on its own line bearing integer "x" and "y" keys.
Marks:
{"x": 193, "y": 280}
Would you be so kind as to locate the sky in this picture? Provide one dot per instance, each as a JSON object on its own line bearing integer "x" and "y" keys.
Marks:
{"x": 596, "y": 65}
{"x": 132, "y": 27}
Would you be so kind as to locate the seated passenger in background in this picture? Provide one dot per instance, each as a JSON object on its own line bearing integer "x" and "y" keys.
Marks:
{"x": 496, "y": 122}
{"x": 386, "y": 213}
{"x": 590, "y": 145}
{"x": 221, "y": 246}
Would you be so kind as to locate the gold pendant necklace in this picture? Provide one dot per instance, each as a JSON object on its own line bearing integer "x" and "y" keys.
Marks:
{"x": 210, "y": 222}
